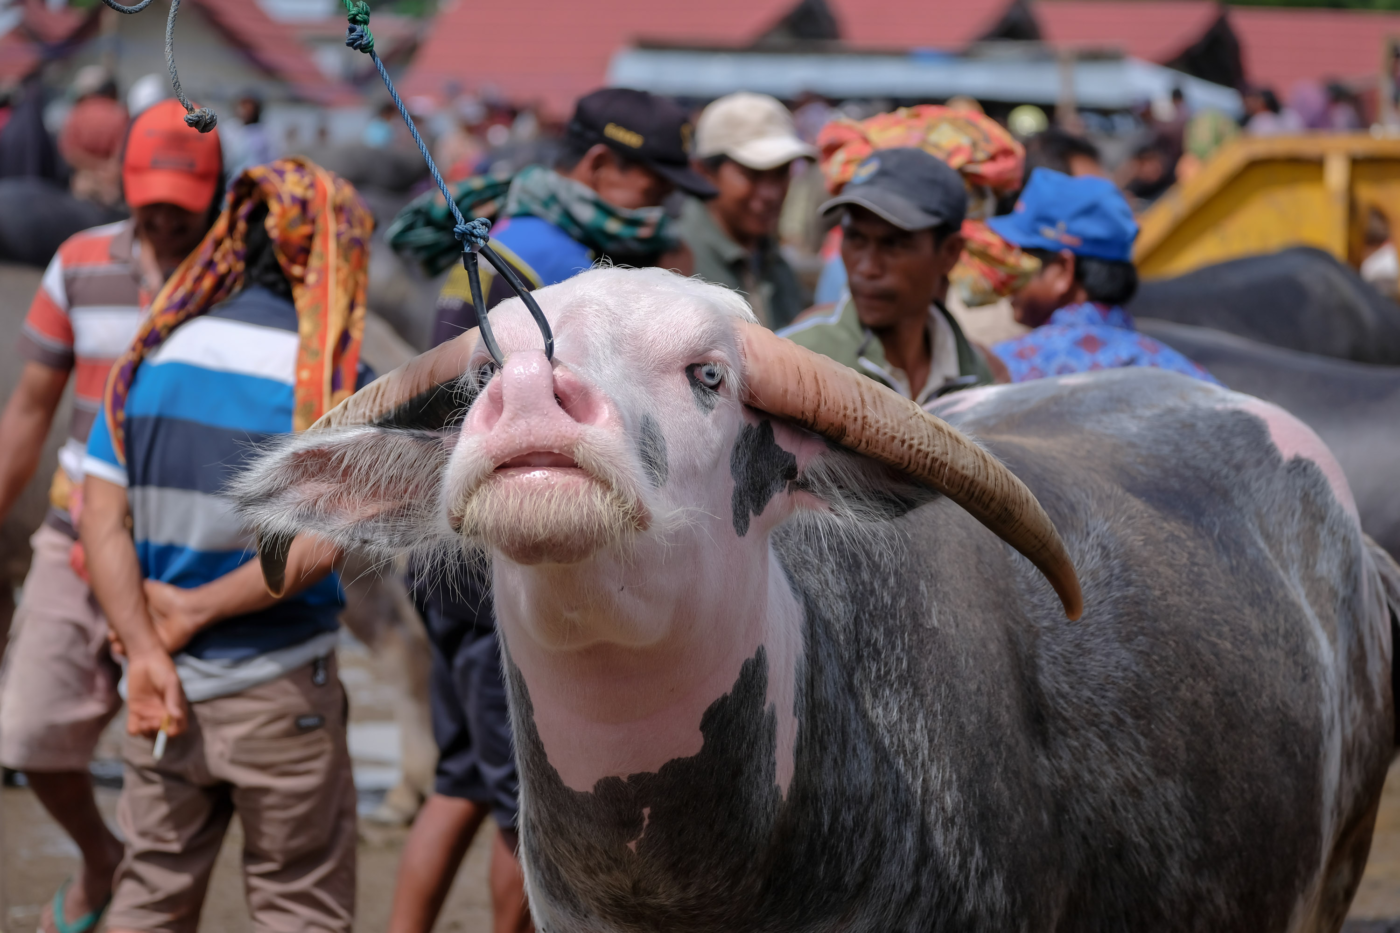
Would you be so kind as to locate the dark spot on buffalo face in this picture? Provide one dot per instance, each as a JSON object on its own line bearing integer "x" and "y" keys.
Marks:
{"x": 651, "y": 447}
{"x": 439, "y": 408}
{"x": 705, "y": 396}
{"x": 760, "y": 468}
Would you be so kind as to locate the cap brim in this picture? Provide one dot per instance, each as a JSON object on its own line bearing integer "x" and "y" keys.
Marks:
{"x": 685, "y": 178}
{"x": 764, "y": 154}
{"x": 886, "y": 205}
{"x": 162, "y": 186}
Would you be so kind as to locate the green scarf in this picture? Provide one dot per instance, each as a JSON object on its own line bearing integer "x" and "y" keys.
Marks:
{"x": 586, "y": 218}
{"x": 422, "y": 232}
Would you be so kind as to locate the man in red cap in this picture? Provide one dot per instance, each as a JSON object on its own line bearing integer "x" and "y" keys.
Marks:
{"x": 59, "y": 686}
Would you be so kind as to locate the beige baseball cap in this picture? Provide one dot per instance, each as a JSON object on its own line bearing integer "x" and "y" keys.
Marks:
{"x": 754, "y": 130}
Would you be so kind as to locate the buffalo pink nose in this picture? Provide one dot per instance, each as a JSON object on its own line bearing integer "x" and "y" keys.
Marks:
{"x": 530, "y": 393}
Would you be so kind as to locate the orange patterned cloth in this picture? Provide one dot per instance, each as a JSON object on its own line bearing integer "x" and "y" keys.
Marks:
{"x": 320, "y": 233}
{"x": 987, "y": 156}
{"x": 982, "y": 150}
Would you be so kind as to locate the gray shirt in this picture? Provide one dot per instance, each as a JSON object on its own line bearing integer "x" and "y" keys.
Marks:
{"x": 763, "y": 275}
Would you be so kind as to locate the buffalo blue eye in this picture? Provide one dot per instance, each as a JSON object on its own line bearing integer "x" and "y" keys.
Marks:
{"x": 709, "y": 375}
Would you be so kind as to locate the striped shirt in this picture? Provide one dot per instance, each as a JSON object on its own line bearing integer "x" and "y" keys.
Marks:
{"x": 84, "y": 316}
{"x": 198, "y": 408}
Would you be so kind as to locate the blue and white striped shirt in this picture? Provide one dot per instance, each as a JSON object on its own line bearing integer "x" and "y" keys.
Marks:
{"x": 198, "y": 408}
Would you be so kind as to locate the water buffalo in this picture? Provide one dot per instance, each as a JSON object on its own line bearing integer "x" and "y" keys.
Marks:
{"x": 785, "y": 652}
{"x": 1299, "y": 299}
{"x": 1354, "y": 408}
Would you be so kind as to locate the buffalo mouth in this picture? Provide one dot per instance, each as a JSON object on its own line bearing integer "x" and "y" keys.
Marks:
{"x": 550, "y": 506}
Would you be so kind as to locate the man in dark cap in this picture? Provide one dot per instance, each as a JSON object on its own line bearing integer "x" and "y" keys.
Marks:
{"x": 623, "y": 153}
{"x": 903, "y": 213}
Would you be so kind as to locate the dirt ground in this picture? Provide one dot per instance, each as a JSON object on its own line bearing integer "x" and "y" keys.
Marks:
{"x": 37, "y": 856}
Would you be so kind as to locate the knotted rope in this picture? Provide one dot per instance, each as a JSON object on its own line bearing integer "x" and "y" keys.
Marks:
{"x": 474, "y": 235}
{"x": 202, "y": 119}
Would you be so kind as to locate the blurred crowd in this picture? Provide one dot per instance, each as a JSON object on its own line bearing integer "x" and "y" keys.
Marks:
{"x": 223, "y": 299}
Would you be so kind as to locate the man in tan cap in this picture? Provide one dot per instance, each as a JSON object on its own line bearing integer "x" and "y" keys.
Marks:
{"x": 745, "y": 145}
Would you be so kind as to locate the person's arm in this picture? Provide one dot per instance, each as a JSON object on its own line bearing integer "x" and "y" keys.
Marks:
{"x": 433, "y": 852}
{"x": 24, "y": 426}
{"x": 154, "y": 697}
{"x": 178, "y": 614}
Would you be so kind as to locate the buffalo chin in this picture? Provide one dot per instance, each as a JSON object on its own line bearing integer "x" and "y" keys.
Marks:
{"x": 548, "y": 516}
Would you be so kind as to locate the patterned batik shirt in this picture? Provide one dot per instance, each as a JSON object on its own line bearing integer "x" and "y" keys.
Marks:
{"x": 1087, "y": 337}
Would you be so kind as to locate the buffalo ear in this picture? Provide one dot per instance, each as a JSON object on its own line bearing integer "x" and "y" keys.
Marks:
{"x": 370, "y": 489}
{"x": 859, "y": 489}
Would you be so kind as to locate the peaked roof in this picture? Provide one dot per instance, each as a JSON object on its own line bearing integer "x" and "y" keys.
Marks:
{"x": 1281, "y": 46}
{"x": 275, "y": 48}
{"x": 40, "y": 32}
{"x": 1155, "y": 30}
{"x": 551, "y": 52}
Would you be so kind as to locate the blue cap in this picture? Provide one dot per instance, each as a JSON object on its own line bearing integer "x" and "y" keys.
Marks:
{"x": 1085, "y": 215}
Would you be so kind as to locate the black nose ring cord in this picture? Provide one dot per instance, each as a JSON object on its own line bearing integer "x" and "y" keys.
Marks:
{"x": 474, "y": 235}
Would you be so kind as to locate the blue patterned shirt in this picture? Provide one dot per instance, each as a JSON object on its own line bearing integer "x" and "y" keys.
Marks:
{"x": 1083, "y": 338}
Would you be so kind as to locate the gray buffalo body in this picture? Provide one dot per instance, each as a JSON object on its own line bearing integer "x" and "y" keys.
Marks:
{"x": 1299, "y": 299}
{"x": 1354, "y": 408}
{"x": 1204, "y": 750}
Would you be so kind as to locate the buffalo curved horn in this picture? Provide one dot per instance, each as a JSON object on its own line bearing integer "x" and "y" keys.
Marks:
{"x": 396, "y": 396}
{"x": 858, "y": 413}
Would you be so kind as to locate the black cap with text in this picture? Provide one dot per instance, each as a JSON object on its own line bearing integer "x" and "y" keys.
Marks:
{"x": 911, "y": 188}
{"x": 651, "y": 130}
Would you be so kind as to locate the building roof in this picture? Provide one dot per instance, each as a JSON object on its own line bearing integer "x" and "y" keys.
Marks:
{"x": 276, "y": 49}
{"x": 1155, "y": 30}
{"x": 550, "y": 52}
{"x": 1283, "y": 46}
{"x": 30, "y": 32}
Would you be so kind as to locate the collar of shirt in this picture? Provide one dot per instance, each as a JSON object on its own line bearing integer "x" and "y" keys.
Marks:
{"x": 1093, "y": 314}
{"x": 126, "y": 249}
{"x": 943, "y": 362}
{"x": 701, "y": 229}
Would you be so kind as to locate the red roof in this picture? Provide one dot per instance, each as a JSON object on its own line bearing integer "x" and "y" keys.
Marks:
{"x": 22, "y": 48}
{"x": 914, "y": 24}
{"x": 274, "y": 48}
{"x": 1155, "y": 30}
{"x": 551, "y": 51}
{"x": 1284, "y": 46}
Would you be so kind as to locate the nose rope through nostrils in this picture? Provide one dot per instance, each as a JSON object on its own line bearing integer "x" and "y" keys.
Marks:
{"x": 474, "y": 235}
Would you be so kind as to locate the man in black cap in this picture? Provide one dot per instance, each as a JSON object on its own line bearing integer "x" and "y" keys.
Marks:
{"x": 624, "y": 151}
{"x": 901, "y": 236}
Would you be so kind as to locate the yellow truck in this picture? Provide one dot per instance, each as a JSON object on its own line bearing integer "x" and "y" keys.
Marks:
{"x": 1259, "y": 195}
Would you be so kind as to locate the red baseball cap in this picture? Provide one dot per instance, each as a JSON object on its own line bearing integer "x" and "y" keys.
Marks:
{"x": 168, "y": 162}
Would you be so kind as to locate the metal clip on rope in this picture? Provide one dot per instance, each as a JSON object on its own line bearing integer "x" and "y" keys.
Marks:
{"x": 474, "y": 235}
{"x": 202, "y": 119}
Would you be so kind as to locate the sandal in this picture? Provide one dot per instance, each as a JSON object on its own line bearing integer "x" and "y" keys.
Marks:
{"x": 84, "y": 924}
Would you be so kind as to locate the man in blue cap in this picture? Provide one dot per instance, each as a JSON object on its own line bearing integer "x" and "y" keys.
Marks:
{"x": 1082, "y": 232}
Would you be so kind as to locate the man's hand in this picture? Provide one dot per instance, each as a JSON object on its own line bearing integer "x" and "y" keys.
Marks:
{"x": 154, "y": 697}
{"x": 177, "y": 614}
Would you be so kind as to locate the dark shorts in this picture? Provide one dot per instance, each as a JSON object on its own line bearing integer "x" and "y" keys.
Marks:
{"x": 471, "y": 723}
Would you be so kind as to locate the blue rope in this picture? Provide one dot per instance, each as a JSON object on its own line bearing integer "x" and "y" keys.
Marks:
{"x": 474, "y": 235}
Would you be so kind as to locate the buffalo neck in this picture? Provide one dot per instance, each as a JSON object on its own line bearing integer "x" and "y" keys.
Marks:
{"x": 622, "y": 654}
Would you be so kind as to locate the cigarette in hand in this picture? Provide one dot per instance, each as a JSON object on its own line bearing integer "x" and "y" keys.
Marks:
{"x": 161, "y": 738}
